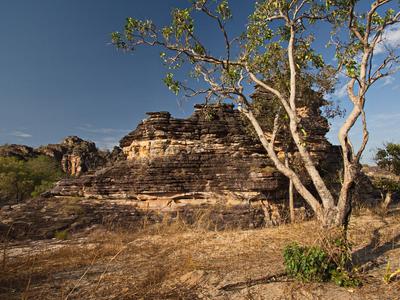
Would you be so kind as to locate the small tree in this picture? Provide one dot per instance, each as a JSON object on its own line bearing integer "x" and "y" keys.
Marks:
{"x": 388, "y": 158}
{"x": 15, "y": 183}
{"x": 387, "y": 186}
{"x": 20, "y": 179}
{"x": 275, "y": 53}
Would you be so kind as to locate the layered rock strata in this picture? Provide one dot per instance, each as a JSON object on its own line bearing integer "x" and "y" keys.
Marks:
{"x": 208, "y": 158}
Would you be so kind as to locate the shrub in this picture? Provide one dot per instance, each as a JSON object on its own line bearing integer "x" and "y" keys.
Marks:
{"x": 307, "y": 263}
{"x": 20, "y": 179}
{"x": 388, "y": 158}
{"x": 316, "y": 264}
{"x": 61, "y": 235}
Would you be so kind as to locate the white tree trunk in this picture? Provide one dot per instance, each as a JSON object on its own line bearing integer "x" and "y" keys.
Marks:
{"x": 387, "y": 200}
{"x": 289, "y": 173}
{"x": 291, "y": 202}
{"x": 291, "y": 196}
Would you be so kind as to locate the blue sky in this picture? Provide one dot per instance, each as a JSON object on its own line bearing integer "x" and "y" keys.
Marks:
{"x": 60, "y": 76}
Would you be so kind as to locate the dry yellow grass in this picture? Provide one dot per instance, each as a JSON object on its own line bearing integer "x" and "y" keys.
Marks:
{"x": 178, "y": 261}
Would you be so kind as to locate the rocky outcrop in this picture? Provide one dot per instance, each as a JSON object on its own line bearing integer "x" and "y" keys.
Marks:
{"x": 209, "y": 162}
{"x": 377, "y": 173}
{"x": 17, "y": 151}
{"x": 42, "y": 218}
{"x": 208, "y": 158}
{"x": 75, "y": 155}
{"x": 371, "y": 183}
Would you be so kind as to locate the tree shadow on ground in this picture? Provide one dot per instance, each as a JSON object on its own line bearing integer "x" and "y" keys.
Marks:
{"x": 369, "y": 255}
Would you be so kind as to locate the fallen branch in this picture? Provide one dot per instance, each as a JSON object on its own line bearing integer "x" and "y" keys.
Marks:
{"x": 280, "y": 277}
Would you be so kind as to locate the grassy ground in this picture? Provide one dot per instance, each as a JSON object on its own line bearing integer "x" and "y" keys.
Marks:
{"x": 182, "y": 262}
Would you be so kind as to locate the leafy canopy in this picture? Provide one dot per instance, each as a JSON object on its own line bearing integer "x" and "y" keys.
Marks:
{"x": 259, "y": 49}
{"x": 20, "y": 179}
{"x": 388, "y": 158}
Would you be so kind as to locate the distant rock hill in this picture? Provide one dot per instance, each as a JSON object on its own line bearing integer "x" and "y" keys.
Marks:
{"x": 75, "y": 155}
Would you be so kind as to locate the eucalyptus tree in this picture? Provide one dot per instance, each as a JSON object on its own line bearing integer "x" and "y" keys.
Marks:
{"x": 275, "y": 53}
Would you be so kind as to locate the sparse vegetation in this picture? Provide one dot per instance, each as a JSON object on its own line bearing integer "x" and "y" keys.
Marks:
{"x": 317, "y": 264}
{"x": 388, "y": 159}
{"x": 308, "y": 263}
{"x": 62, "y": 235}
{"x": 173, "y": 261}
{"x": 390, "y": 275}
{"x": 105, "y": 235}
{"x": 20, "y": 179}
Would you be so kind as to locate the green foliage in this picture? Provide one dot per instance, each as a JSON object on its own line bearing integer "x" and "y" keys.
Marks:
{"x": 363, "y": 26}
{"x": 20, "y": 179}
{"x": 42, "y": 187}
{"x": 224, "y": 10}
{"x": 315, "y": 264}
{"x": 307, "y": 263}
{"x": 387, "y": 185}
{"x": 260, "y": 37}
{"x": 172, "y": 84}
{"x": 343, "y": 278}
{"x": 390, "y": 275}
{"x": 182, "y": 22}
{"x": 388, "y": 158}
{"x": 261, "y": 48}
{"x": 62, "y": 235}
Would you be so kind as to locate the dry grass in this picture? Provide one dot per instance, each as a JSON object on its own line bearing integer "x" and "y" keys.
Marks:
{"x": 181, "y": 261}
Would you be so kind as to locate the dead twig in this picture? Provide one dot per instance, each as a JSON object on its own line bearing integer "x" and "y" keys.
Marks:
{"x": 280, "y": 277}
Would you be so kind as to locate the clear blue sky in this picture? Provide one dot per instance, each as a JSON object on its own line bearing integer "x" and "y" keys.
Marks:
{"x": 60, "y": 76}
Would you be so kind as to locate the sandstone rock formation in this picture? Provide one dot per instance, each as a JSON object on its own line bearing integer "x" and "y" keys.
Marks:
{"x": 75, "y": 155}
{"x": 206, "y": 159}
{"x": 17, "y": 151}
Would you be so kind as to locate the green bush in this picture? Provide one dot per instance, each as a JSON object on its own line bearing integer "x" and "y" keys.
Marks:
{"x": 315, "y": 264}
{"x": 307, "y": 263}
{"x": 62, "y": 235}
{"x": 388, "y": 158}
{"x": 20, "y": 179}
{"x": 343, "y": 278}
